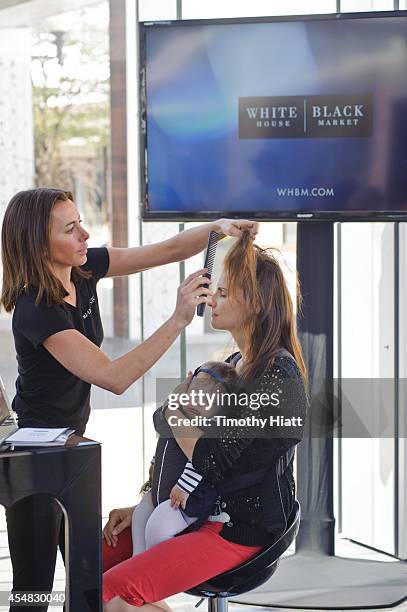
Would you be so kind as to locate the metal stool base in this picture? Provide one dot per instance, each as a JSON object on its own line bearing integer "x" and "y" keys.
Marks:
{"x": 218, "y": 604}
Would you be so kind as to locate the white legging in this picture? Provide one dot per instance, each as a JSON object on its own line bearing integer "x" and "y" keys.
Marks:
{"x": 150, "y": 526}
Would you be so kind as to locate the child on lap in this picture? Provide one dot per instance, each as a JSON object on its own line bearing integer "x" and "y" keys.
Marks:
{"x": 177, "y": 495}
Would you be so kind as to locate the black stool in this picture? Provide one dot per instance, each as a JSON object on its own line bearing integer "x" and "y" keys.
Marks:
{"x": 251, "y": 574}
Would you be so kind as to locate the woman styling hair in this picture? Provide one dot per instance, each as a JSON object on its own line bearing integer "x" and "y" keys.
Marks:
{"x": 50, "y": 282}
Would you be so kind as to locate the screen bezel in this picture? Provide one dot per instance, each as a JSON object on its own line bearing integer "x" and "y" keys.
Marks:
{"x": 173, "y": 215}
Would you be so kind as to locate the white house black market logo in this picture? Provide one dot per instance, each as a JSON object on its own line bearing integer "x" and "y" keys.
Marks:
{"x": 333, "y": 116}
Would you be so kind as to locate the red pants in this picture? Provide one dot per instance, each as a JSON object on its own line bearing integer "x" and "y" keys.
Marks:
{"x": 169, "y": 567}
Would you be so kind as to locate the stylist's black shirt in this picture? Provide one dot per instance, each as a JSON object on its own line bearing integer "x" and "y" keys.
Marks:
{"x": 48, "y": 394}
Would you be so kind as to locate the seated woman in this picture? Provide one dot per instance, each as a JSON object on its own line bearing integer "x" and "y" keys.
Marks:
{"x": 250, "y": 467}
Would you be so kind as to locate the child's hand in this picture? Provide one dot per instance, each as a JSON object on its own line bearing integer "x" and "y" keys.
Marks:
{"x": 178, "y": 497}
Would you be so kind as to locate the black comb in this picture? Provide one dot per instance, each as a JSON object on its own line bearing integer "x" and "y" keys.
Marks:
{"x": 209, "y": 261}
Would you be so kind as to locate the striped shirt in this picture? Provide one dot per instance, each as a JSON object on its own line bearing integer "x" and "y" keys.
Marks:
{"x": 189, "y": 479}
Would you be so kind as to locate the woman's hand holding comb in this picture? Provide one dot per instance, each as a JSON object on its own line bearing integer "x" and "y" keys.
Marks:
{"x": 192, "y": 291}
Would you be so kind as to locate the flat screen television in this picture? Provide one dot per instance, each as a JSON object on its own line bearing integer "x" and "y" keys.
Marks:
{"x": 282, "y": 118}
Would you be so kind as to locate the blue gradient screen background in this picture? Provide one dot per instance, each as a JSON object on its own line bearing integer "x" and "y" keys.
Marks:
{"x": 195, "y": 75}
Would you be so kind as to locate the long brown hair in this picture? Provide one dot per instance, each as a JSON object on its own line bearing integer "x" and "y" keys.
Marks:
{"x": 25, "y": 247}
{"x": 271, "y": 323}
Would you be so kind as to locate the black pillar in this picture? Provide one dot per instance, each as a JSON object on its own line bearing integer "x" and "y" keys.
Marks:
{"x": 315, "y": 265}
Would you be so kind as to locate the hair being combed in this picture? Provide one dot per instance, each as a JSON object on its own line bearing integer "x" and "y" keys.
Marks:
{"x": 25, "y": 247}
{"x": 271, "y": 323}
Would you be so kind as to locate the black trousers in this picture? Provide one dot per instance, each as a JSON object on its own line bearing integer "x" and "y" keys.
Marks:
{"x": 35, "y": 527}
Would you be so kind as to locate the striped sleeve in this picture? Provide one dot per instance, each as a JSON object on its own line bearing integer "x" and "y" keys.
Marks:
{"x": 189, "y": 479}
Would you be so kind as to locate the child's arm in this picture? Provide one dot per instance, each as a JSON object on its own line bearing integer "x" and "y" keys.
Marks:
{"x": 187, "y": 482}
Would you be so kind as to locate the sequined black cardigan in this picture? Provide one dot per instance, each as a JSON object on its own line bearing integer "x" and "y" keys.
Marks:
{"x": 258, "y": 513}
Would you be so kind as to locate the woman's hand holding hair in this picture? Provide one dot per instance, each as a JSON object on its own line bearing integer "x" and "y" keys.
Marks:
{"x": 235, "y": 227}
{"x": 119, "y": 519}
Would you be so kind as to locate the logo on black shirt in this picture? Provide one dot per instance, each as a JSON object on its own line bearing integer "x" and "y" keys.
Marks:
{"x": 89, "y": 310}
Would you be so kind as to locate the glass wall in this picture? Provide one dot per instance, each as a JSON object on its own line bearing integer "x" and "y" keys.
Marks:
{"x": 202, "y": 342}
